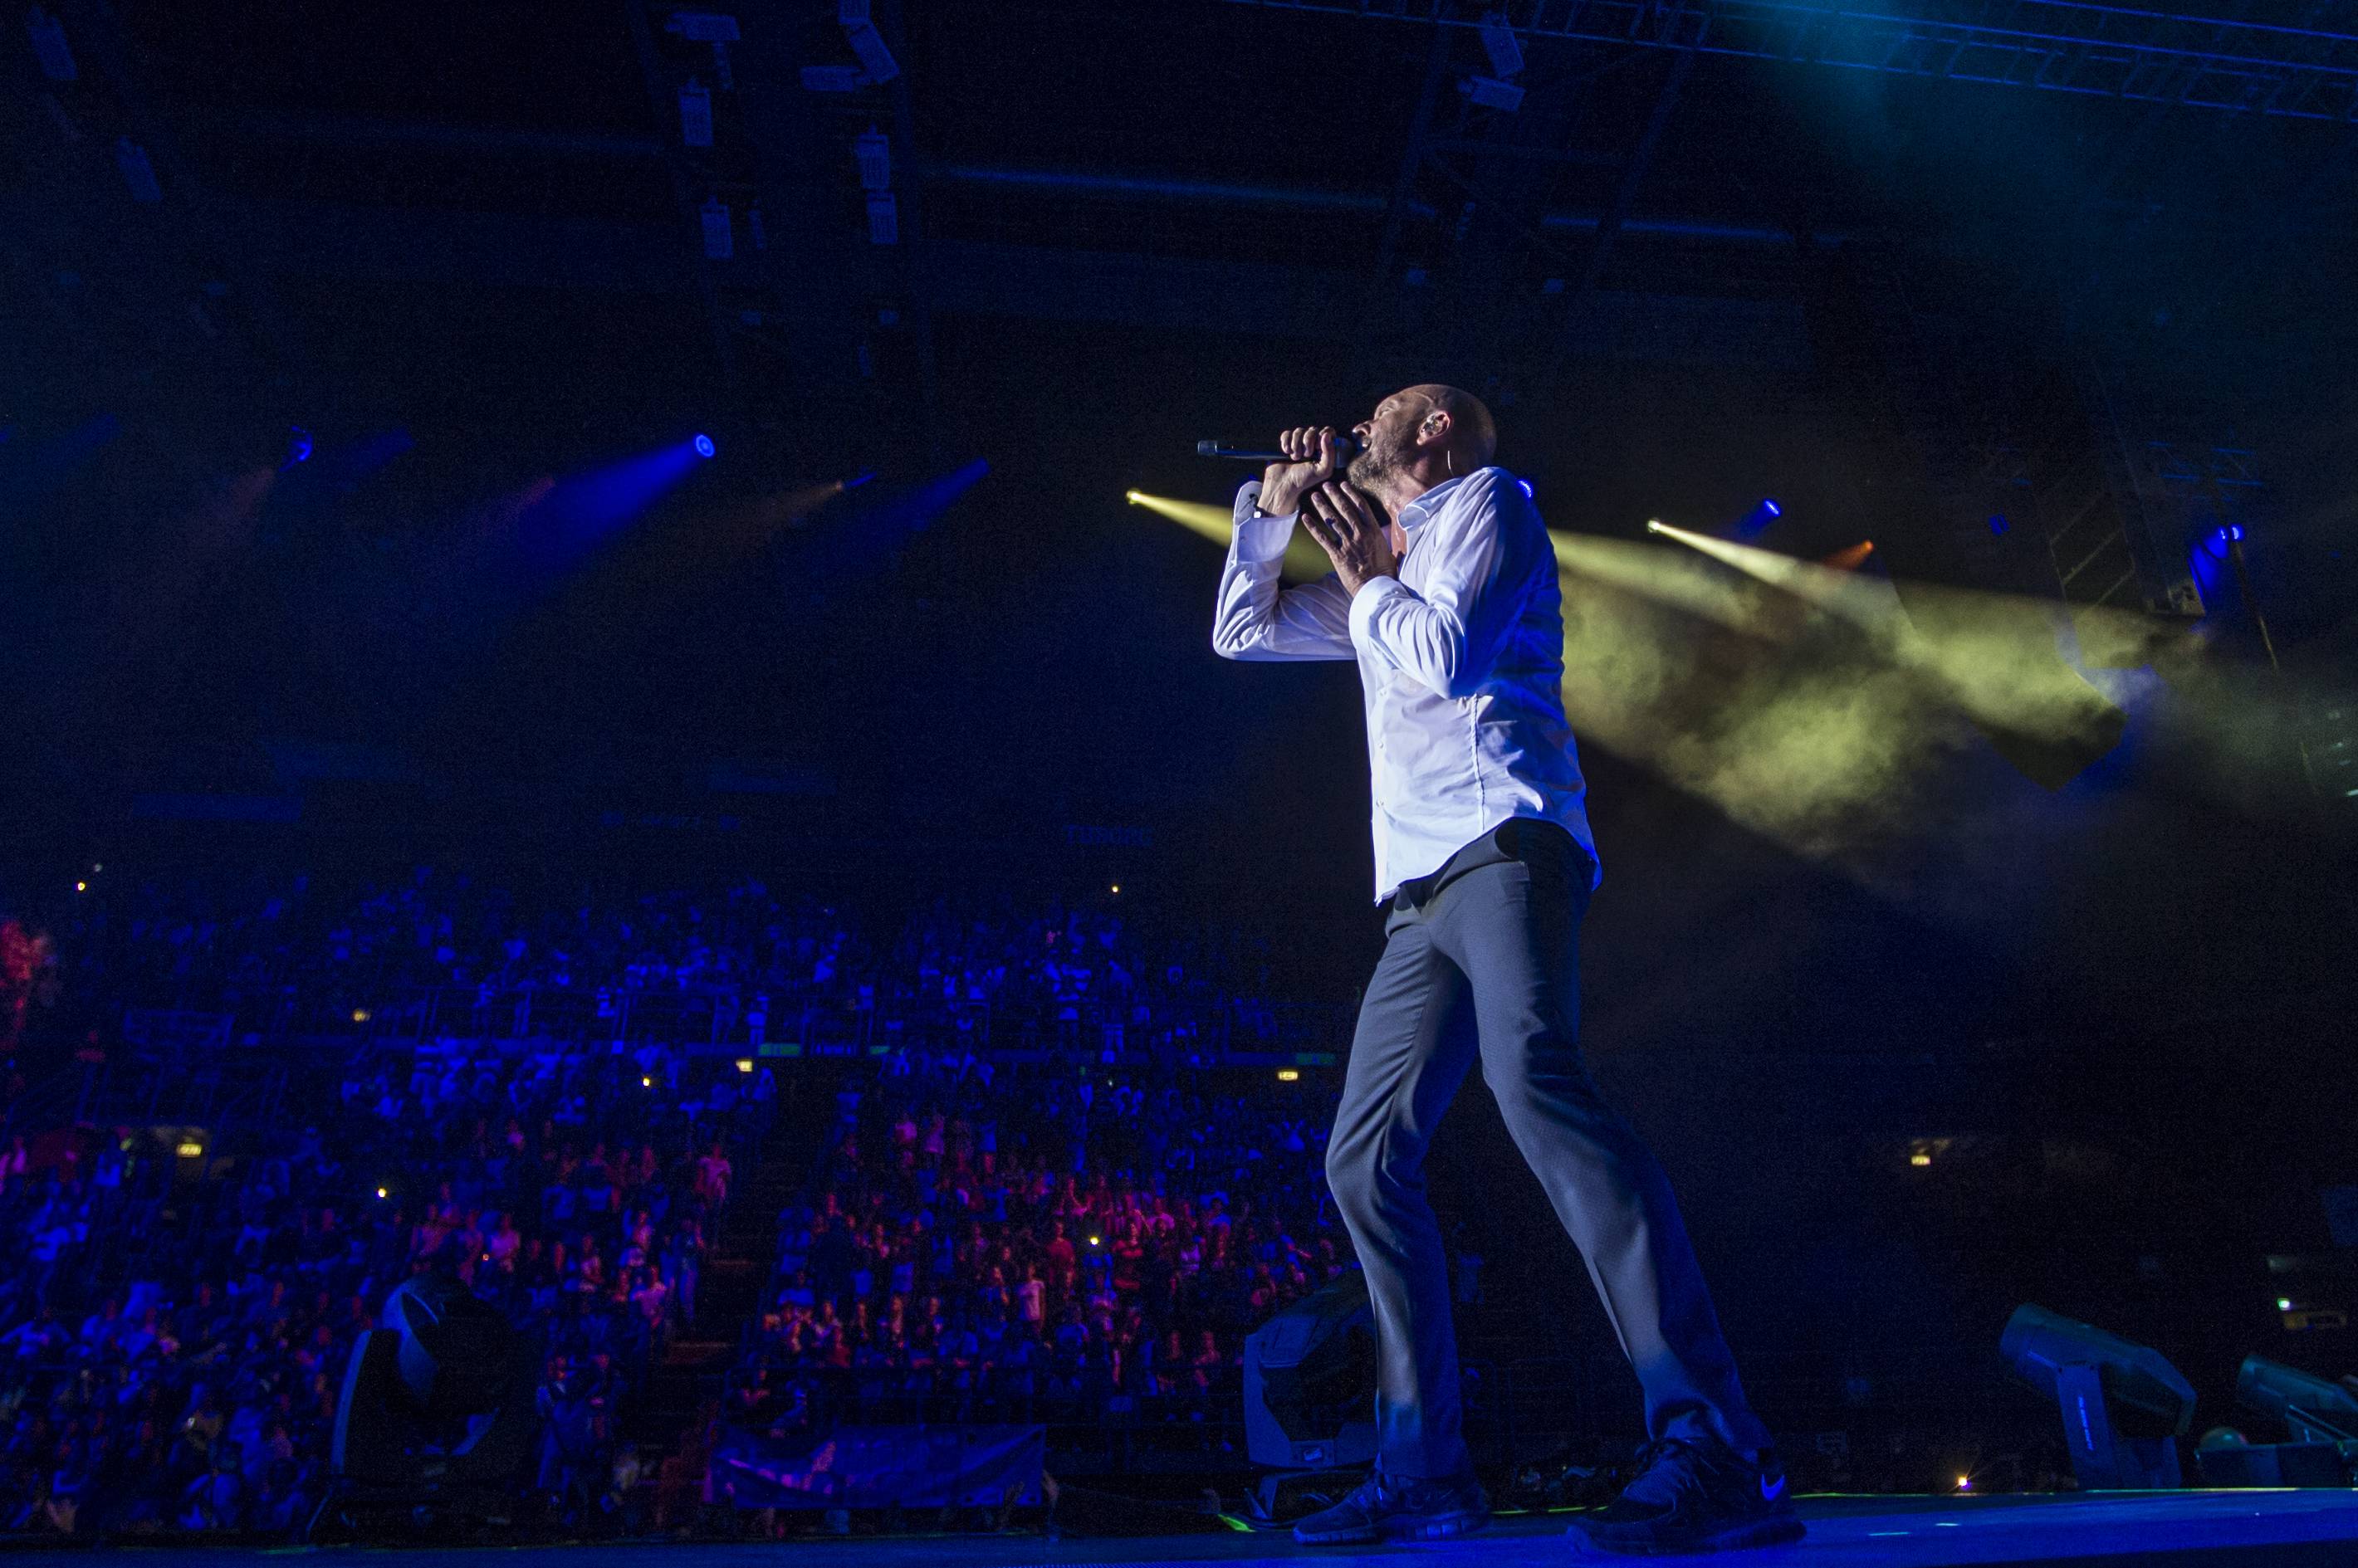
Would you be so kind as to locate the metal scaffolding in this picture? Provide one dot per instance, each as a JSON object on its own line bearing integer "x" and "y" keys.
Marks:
{"x": 2307, "y": 72}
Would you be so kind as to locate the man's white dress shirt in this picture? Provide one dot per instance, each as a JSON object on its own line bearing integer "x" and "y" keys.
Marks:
{"x": 1460, "y": 663}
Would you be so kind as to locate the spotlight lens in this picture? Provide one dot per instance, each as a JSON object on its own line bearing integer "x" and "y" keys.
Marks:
{"x": 704, "y": 447}
{"x": 1771, "y": 508}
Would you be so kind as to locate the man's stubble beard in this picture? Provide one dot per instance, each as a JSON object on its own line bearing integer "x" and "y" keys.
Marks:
{"x": 1372, "y": 468}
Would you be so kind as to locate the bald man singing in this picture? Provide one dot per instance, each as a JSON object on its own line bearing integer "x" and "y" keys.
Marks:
{"x": 1444, "y": 592}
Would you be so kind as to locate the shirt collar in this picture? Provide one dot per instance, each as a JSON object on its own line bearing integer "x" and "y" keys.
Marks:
{"x": 1426, "y": 505}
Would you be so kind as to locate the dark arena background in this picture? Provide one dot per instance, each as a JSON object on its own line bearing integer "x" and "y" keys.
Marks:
{"x": 610, "y": 727}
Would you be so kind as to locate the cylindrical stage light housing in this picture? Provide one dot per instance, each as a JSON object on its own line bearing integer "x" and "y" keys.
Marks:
{"x": 2137, "y": 1380}
{"x": 2313, "y": 1407}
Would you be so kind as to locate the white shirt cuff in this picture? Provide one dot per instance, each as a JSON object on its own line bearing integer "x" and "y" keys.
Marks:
{"x": 1259, "y": 539}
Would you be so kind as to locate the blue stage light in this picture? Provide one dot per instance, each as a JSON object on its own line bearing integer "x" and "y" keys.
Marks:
{"x": 1526, "y": 485}
{"x": 1998, "y": 524}
{"x": 705, "y": 448}
{"x": 1757, "y": 521}
{"x": 2236, "y": 531}
{"x": 298, "y": 446}
{"x": 573, "y": 517}
{"x": 862, "y": 476}
{"x": 891, "y": 522}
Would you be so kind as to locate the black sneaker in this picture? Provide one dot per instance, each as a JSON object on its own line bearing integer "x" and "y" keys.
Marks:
{"x": 1694, "y": 1496}
{"x": 1388, "y": 1507}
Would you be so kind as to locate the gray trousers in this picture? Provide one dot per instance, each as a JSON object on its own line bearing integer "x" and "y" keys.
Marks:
{"x": 1496, "y": 933}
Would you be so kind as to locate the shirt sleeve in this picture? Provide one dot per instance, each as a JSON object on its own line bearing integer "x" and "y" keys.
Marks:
{"x": 1483, "y": 543}
{"x": 1256, "y": 619}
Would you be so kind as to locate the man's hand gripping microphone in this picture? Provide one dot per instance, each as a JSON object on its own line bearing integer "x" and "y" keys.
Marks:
{"x": 1313, "y": 454}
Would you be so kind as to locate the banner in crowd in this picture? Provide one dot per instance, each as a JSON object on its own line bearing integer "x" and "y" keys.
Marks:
{"x": 878, "y": 1466}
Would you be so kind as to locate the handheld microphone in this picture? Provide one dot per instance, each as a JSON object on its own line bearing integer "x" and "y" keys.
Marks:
{"x": 1238, "y": 454}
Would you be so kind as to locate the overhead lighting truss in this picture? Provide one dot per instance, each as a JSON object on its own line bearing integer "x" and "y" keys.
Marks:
{"x": 2307, "y": 72}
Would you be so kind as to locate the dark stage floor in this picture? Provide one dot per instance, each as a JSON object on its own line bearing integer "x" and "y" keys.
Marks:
{"x": 2292, "y": 1529}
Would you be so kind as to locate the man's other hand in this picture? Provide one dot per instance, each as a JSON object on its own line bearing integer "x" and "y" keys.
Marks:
{"x": 1350, "y": 530}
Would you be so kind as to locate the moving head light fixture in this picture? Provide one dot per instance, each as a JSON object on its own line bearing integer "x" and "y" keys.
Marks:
{"x": 2124, "y": 1406}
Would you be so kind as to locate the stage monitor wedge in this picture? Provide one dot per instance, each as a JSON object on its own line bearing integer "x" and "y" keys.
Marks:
{"x": 1310, "y": 1381}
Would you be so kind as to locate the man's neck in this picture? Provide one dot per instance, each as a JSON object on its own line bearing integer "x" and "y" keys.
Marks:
{"x": 1402, "y": 487}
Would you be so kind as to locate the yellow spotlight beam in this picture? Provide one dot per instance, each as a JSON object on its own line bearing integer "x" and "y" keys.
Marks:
{"x": 1805, "y": 737}
{"x": 1995, "y": 655}
{"x": 1819, "y": 706}
{"x": 1868, "y": 604}
{"x": 1673, "y": 577}
{"x": 1305, "y": 561}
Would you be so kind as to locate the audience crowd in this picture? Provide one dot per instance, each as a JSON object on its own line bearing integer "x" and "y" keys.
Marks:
{"x": 1054, "y": 1237}
{"x": 1056, "y": 1241}
{"x": 282, "y": 954}
{"x": 177, "y": 1318}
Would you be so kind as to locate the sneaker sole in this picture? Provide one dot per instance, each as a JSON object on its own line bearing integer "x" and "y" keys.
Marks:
{"x": 1437, "y": 1527}
{"x": 1741, "y": 1538}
